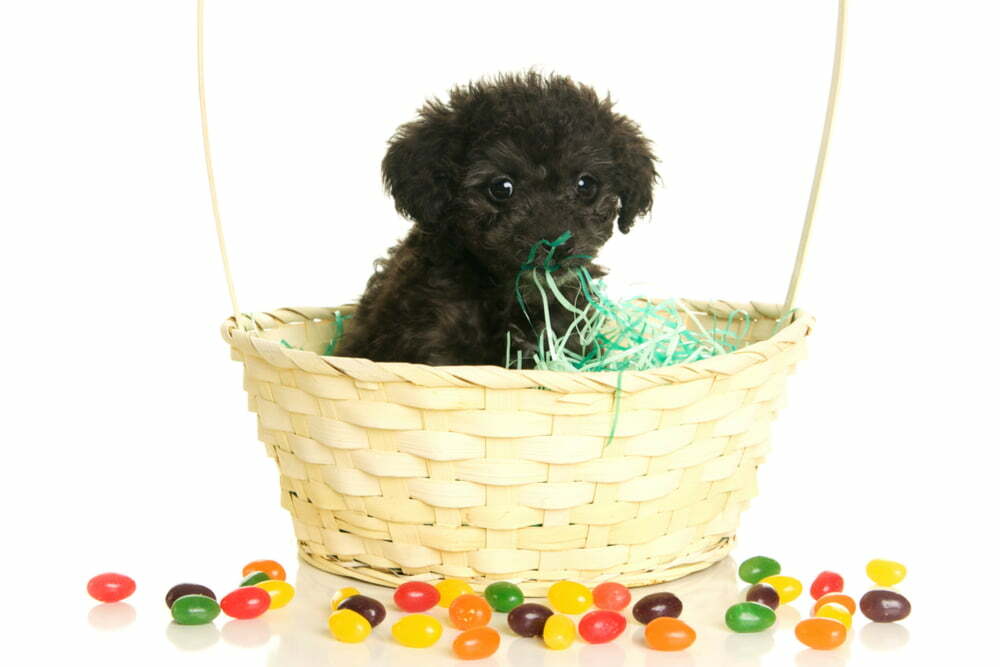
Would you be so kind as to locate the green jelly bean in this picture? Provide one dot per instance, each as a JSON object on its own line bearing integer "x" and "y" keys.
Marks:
{"x": 253, "y": 579}
{"x": 749, "y": 617}
{"x": 503, "y": 596}
{"x": 194, "y": 609}
{"x": 754, "y": 569}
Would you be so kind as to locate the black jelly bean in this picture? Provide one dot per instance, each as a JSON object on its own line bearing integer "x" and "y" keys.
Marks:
{"x": 763, "y": 594}
{"x": 181, "y": 590}
{"x": 370, "y": 608}
{"x": 884, "y": 606}
{"x": 528, "y": 620}
{"x": 656, "y": 605}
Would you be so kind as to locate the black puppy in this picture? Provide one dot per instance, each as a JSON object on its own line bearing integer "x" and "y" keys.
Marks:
{"x": 502, "y": 165}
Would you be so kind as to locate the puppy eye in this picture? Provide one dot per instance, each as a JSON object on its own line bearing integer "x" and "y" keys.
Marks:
{"x": 501, "y": 189}
{"x": 586, "y": 186}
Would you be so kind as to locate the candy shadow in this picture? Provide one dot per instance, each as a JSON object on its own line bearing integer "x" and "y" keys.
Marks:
{"x": 192, "y": 637}
{"x": 247, "y": 633}
{"x": 110, "y": 617}
{"x": 750, "y": 646}
{"x": 814, "y": 658}
{"x": 884, "y": 636}
{"x": 602, "y": 655}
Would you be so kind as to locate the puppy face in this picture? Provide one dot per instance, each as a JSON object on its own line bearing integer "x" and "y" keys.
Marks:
{"x": 508, "y": 162}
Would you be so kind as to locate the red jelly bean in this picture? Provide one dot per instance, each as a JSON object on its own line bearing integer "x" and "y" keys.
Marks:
{"x": 110, "y": 587}
{"x": 416, "y": 596}
{"x": 246, "y": 602}
{"x": 826, "y": 582}
{"x": 600, "y": 627}
{"x": 611, "y": 595}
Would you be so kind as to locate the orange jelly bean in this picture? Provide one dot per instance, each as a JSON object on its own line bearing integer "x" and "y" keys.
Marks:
{"x": 839, "y": 598}
{"x": 469, "y": 611}
{"x": 669, "y": 634}
{"x": 476, "y": 643}
{"x": 271, "y": 568}
{"x": 821, "y": 633}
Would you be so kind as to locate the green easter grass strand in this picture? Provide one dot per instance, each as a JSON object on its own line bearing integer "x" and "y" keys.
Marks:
{"x": 617, "y": 335}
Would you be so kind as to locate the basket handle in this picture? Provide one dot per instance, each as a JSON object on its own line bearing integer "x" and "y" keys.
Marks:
{"x": 824, "y": 143}
{"x": 831, "y": 104}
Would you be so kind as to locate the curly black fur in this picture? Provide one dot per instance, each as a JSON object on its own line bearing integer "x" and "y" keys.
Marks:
{"x": 445, "y": 294}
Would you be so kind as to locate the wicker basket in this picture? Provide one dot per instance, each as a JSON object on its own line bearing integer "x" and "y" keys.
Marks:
{"x": 398, "y": 471}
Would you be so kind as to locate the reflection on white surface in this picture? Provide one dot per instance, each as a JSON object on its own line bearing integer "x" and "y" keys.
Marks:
{"x": 748, "y": 648}
{"x": 192, "y": 637}
{"x": 813, "y": 658}
{"x": 249, "y": 633}
{"x": 297, "y": 635}
{"x": 884, "y": 636}
{"x": 113, "y": 616}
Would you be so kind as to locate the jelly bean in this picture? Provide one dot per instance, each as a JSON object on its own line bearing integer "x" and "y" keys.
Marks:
{"x": 601, "y": 626}
{"x": 611, "y": 595}
{"x": 503, "y": 596}
{"x": 528, "y": 620}
{"x": 752, "y": 570}
{"x": 884, "y": 606}
{"x": 348, "y": 626}
{"x": 570, "y": 597}
{"x": 449, "y": 589}
{"x": 764, "y": 594}
{"x": 246, "y": 602}
{"x": 254, "y": 578}
{"x": 840, "y": 598}
{"x": 559, "y": 632}
{"x": 826, "y": 582}
{"x": 370, "y": 608}
{"x": 885, "y": 572}
{"x": 281, "y": 592}
{"x": 341, "y": 595}
{"x": 417, "y": 630}
{"x": 788, "y": 588}
{"x": 837, "y": 612}
{"x": 476, "y": 643}
{"x": 271, "y": 568}
{"x": 657, "y": 605}
{"x": 469, "y": 611}
{"x": 110, "y": 587}
{"x": 669, "y": 634}
{"x": 416, "y": 596}
{"x": 821, "y": 633}
{"x": 194, "y": 609}
{"x": 187, "y": 589}
{"x": 749, "y": 617}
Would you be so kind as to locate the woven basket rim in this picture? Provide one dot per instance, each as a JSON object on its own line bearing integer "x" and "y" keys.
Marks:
{"x": 799, "y": 325}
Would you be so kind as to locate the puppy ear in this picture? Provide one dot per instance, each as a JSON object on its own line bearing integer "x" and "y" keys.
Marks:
{"x": 636, "y": 172}
{"x": 417, "y": 169}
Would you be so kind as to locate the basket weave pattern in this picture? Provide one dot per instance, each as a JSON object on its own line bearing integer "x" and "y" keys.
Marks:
{"x": 398, "y": 471}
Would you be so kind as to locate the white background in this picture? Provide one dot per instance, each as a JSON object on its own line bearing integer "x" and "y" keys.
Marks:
{"x": 127, "y": 444}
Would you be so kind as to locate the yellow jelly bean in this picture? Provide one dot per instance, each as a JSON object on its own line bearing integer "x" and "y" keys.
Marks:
{"x": 417, "y": 630}
{"x": 342, "y": 595}
{"x": 559, "y": 632}
{"x": 451, "y": 589}
{"x": 886, "y": 572}
{"x": 281, "y": 592}
{"x": 837, "y": 612}
{"x": 788, "y": 588}
{"x": 349, "y": 626}
{"x": 570, "y": 597}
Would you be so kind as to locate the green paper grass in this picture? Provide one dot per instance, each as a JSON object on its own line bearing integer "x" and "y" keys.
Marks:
{"x": 616, "y": 335}
{"x": 338, "y": 333}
